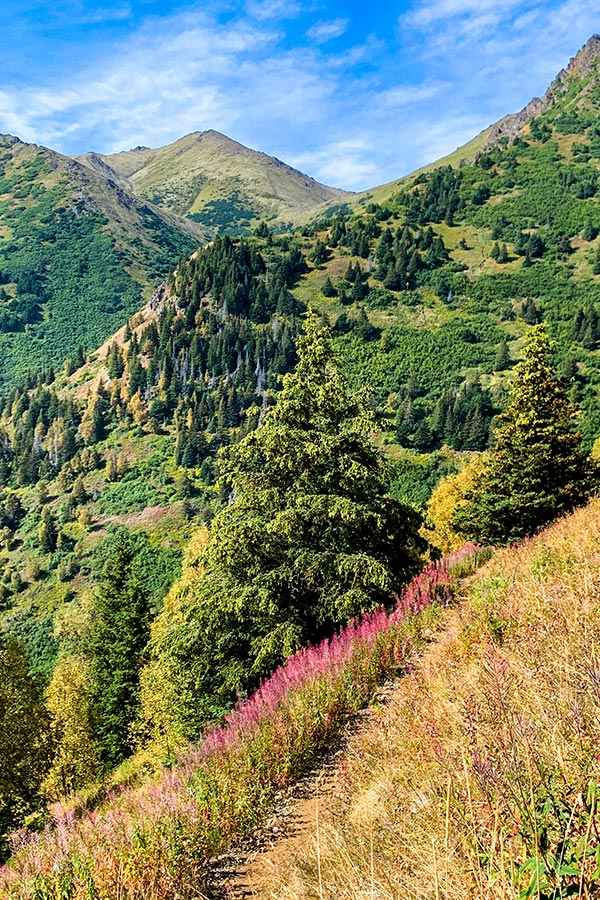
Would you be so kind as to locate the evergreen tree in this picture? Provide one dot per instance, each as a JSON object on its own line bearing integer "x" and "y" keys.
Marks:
{"x": 47, "y": 531}
{"x": 118, "y": 634}
{"x": 589, "y": 233}
{"x": 502, "y": 358}
{"x": 319, "y": 253}
{"x": 310, "y": 540}
{"x": 328, "y": 289}
{"x": 537, "y": 470}
{"x": 503, "y": 254}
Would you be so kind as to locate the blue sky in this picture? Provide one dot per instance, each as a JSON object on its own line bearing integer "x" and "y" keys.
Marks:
{"x": 353, "y": 93}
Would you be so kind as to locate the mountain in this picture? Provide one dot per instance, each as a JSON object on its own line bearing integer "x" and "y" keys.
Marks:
{"x": 428, "y": 292}
{"x": 78, "y": 252}
{"x": 213, "y": 180}
{"x": 572, "y": 89}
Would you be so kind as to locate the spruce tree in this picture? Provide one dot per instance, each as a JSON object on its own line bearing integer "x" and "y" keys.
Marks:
{"x": 502, "y": 358}
{"x": 118, "y": 635}
{"x": 537, "y": 470}
{"x": 310, "y": 539}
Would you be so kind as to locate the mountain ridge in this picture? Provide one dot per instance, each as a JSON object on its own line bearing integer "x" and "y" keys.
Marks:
{"x": 210, "y": 177}
{"x": 580, "y": 65}
{"x": 507, "y": 128}
{"x": 78, "y": 253}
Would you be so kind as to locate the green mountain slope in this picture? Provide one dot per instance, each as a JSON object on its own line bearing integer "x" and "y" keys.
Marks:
{"x": 572, "y": 87}
{"x": 218, "y": 182}
{"x": 77, "y": 254}
{"x": 428, "y": 294}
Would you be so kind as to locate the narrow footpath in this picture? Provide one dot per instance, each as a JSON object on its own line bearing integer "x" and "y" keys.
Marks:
{"x": 248, "y": 871}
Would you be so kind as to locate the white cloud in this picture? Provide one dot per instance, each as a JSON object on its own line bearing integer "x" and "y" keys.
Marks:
{"x": 321, "y": 32}
{"x": 408, "y": 94}
{"x": 432, "y": 11}
{"x": 275, "y": 9}
{"x": 100, "y": 16}
{"x": 345, "y": 163}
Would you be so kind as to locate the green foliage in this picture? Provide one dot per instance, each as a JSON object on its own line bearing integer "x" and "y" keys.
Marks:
{"x": 310, "y": 539}
{"x": 231, "y": 215}
{"x": 25, "y": 742}
{"x": 118, "y": 633}
{"x": 65, "y": 266}
{"x": 537, "y": 470}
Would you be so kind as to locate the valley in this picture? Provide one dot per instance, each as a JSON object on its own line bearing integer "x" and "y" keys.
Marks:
{"x": 242, "y": 416}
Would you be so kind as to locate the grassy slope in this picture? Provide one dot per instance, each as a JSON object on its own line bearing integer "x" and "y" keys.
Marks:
{"x": 384, "y": 192}
{"x": 487, "y": 759}
{"x": 204, "y": 167}
{"x": 94, "y": 249}
{"x": 156, "y": 839}
{"x": 483, "y": 767}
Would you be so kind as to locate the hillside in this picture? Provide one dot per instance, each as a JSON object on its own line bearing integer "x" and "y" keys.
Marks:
{"x": 479, "y": 776}
{"x": 227, "y": 479}
{"x": 429, "y": 295}
{"x": 78, "y": 253}
{"x": 478, "y": 779}
{"x": 580, "y": 76}
{"x": 218, "y": 182}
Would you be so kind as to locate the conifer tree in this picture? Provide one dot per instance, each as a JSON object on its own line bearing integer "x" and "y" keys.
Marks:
{"x": 310, "y": 539}
{"x": 502, "y": 358}
{"x": 537, "y": 470}
{"x": 47, "y": 531}
{"x": 118, "y": 634}
{"x": 25, "y": 742}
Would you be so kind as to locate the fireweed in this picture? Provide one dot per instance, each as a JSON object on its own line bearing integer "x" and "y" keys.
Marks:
{"x": 154, "y": 841}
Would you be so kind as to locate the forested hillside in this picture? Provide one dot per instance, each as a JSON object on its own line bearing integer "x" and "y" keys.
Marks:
{"x": 288, "y": 431}
{"x": 78, "y": 254}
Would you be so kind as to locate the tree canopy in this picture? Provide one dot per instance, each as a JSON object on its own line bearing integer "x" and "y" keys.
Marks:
{"x": 537, "y": 469}
{"x": 309, "y": 540}
{"x": 25, "y": 742}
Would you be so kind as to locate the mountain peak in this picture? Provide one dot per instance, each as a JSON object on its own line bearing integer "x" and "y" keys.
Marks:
{"x": 219, "y": 182}
{"x": 584, "y": 63}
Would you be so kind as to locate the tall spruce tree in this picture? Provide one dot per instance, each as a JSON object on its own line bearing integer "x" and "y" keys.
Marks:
{"x": 309, "y": 540}
{"x": 119, "y": 631}
{"x": 537, "y": 469}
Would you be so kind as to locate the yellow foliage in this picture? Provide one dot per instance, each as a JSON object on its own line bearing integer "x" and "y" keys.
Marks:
{"x": 447, "y": 498}
{"x": 68, "y": 700}
{"x": 160, "y": 686}
{"x": 137, "y": 409}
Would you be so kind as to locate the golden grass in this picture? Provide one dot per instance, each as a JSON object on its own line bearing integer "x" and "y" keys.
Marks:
{"x": 483, "y": 769}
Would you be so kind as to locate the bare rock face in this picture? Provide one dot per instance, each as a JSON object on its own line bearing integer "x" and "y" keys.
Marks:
{"x": 579, "y": 66}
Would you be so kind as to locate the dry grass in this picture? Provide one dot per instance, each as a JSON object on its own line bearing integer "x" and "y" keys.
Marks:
{"x": 479, "y": 780}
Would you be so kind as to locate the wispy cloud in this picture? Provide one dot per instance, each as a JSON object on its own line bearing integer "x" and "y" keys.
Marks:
{"x": 407, "y": 94}
{"x": 435, "y": 10}
{"x": 321, "y": 32}
{"x": 345, "y": 162}
{"x": 275, "y": 9}
{"x": 101, "y": 15}
{"x": 350, "y": 104}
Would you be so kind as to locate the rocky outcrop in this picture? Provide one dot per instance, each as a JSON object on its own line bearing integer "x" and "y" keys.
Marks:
{"x": 579, "y": 66}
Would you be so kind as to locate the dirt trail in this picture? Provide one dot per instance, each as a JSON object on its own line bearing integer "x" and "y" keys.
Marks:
{"x": 246, "y": 872}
